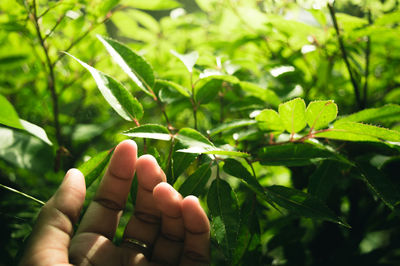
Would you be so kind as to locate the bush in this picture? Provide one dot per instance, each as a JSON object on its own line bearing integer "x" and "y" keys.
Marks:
{"x": 282, "y": 118}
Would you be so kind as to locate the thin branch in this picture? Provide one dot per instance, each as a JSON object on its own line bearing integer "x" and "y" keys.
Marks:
{"x": 344, "y": 55}
{"x": 54, "y": 27}
{"x": 50, "y": 8}
{"x": 367, "y": 63}
{"x": 22, "y": 194}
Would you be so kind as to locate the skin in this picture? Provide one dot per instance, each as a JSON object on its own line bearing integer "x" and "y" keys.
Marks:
{"x": 176, "y": 228}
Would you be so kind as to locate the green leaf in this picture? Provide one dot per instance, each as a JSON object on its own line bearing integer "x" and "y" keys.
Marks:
{"x": 193, "y": 139}
{"x": 264, "y": 94}
{"x": 182, "y": 90}
{"x": 189, "y": 59}
{"x": 295, "y": 154}
{"x": 231, "y": 125}
{"x": 359, "y": 132}
{"x": 132, "y": 64}
{"x": 387, "y": 113}
{"x": 93, "y": 168}
{"x": 208, "y": 91}
{"x": 196, "y": 182}
{"x": 127, "y": 106}
{"x": 149, "y": 131}
{"x": 152, "y": 4}
{"x": 223, "y": 206}
{"x": 323, "y": 178}
{"x": 320, "y": 113}
{"x": 293, "y": 115}
{"x": 217, "y": 151}
{"x": 303, "y": 204}
{"x": 381, "y": 185}
{"x": 36, "y": 131}
{"x": 8, "y": 115}
{"x": 270, "y": 121}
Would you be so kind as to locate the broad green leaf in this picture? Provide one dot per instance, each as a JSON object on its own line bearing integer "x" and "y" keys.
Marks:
{"x": 149, "y": 131}
{"x": 266, "y": 95}
{"x": 381, "y": 185}
{"x": 359, "y": 132}
{"x": 152, "y": 4}
{"x": 127, "y": 106}
{"x": 293, "y": 115}
{"x": 189, "y": 59}
{"x": 182, "y": 90}
{"x": 132, "y": 64}
{"x": 270, "y": 121}
{"x": 192, "y": 138}
{"x": 36, "y": 131}
{"x": 303, "y": 204}
{"x": 217, "y": 151}
{"x": 223, "y": 206}
{"x": 180, "y": 162}
{"x": 231, "y": 125}
{"x": 387, "y": 113}
{"x": 323, "y": 179}
{"x": 208, "y": 91}
{"x": 8, "y": 115}
{"x": 320, "y": 113}
{"x": 294, "y": 154}
{"x": 93, "y": 168}
{"x": 196, "y": 182}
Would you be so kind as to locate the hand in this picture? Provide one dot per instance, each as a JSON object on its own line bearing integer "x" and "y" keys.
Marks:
{"x": 166, "y": 228}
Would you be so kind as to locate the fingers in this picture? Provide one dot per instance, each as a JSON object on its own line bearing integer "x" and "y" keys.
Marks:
{"x": 168, "y": 246}
{"x": 48, "y": 244}
{"x": 145, "y": 222}
{"x": 196, "y": 250}
{"x": 102, "y": 215}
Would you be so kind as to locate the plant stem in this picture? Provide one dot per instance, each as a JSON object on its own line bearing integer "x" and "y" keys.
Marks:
{"x": 51, "y": 84}
{"x": 344, "y": 55}
{"x": 22, "y": 194}
{"x": 193, "y": 101}
{"x": 367, "y": 63}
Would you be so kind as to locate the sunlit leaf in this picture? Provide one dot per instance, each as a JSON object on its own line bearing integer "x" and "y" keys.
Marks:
{"x": 189, "y": 59}
{"x": 303, "y": 204}
{"x": 115, "y": 94}
{"x": 231, "y": 125}
{"x": 387, "y": 113}
{"x": 320, "y": 113}
{"x": 182, "y": 90}
{"x": 270, "y": 121}
{"x": 264, "y": 94}
{"x": 223, "y": 206}
{"x": 293, "y": 115}
{"x": 152, "y": 4}
{"x": 149, "y": 131}
{"x": 36, "y": 131}
{"x": 8, "y": 115}
{"x": 132, "y": 64}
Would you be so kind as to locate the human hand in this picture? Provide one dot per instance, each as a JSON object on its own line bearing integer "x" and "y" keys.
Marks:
{"x": 166, "y": 228}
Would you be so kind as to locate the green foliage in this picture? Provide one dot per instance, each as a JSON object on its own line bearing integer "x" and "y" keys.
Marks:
{"x": 285, "y": 125}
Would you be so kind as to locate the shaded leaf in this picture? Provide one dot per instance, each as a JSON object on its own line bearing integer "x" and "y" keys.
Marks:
{"x": 189, "y": 59}
{"x": 8, "y": 115}
{"x": 320, "y": 113}
{"x": 196, "y": 182}
{"x": 223, "y": 206}
{"x": 127, "y": 106}
{"x": 231, "y": 125}
{"x": 182, "y": 90}
{"x": 93, "y": 168}
{"x": 132, "y": 64}
{"x": 149, "y": 131}
{"x": 387, "y": 113}
{"x": 303, "y": 204}
{"x": 208, "y": 91}
{"x": 293, "y": 115}
{"x": 266, "y": 95}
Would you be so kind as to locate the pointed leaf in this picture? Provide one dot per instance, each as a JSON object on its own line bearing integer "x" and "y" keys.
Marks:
{"x": 132, "y": 64}
{"x": 270, "y": 121}
{"x": 193, "y": 139}
{"x": 208, "y": 91}
{"x": 115, "y": 94}
{"x": 381, "y": 185}
{"x": 293, "y": 115}
{"x": 294, "y": 154}
{"x": 8, "y": 115}
{"x": 36, "y": 131}
{"x": 93, "y": 168}
{"x": 223, "y": 206}
{"x": 320, "y": 113}
{"x": 189, "y": 59}
{"x": 264, "y": 94}
{"x": 303, "y": 204}
{"x": 182, "y": 90}
{"x": 149, "y": 131}
{"x": 231, "y": 125}
{"x": 359, "y": 132}
{"x": 196, "y": 182}
{"x": 387, "y": 113}
{"x": 217, "y": 151}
